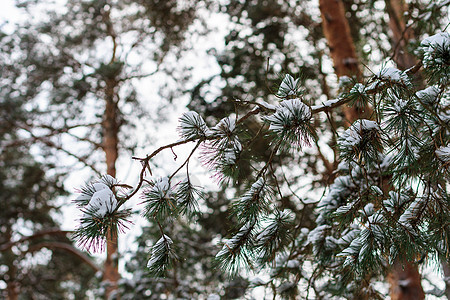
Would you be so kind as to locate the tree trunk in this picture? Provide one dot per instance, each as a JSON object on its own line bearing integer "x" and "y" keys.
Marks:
{"x": 446, "y": 270}
{"x": 12, "y": 290}
{"x": 400, "y": 34}
{"x": 12, "y": 286}
{"x": 342, "y": 49}
{"x": 405, "y": 284}
{"x": 405, "y": 280}
{"x": 110, "y": 146}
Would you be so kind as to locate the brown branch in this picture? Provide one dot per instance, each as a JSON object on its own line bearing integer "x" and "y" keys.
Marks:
{"x": 139, "y": 76}
{"x": 79, "y": 158}
{"x": 187, "y": 160}
{"x": 328, "y": 165}
{"x": 69, "y": 248}
{"x": 254, "y": 111}
{"x": 39, "y": 234}
{"x": 51, "y": 144}
{"x": 145, "y": 162}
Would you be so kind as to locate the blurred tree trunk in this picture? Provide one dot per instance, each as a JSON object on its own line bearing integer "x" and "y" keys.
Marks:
{"x": 12, "y": 286}
{"x": 404, "y": 280}
{"x": 342, "y": 49}
{"x": 446, "y": 270}
{"x": 110, "y": 128}
{"x": 110, "y": 146}
{"x": 400, "y": 33}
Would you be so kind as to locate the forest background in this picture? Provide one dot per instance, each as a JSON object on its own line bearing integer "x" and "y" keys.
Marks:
{"x": 88, "y": 85}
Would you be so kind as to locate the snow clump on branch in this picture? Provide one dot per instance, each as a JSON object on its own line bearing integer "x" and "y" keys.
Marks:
{"x": 443, "y": 153}
{"x": 288, "y": 87}
{"x": 432, "y": 44}
{"x": 192, "y": 126}
{"x": 102, "y": 201}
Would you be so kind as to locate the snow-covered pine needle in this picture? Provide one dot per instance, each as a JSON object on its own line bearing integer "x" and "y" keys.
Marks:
{"x": 288, "y": 87}
{"x": 361, "y": 141}
{"x": 161, "y": 257}
{"x": 222, "y": 153}
{"x": 192, "y": 126}
{"x": 101, "y": 216}
{"x": 187, "y": 197}
{"x": 235, "y": 253}
{"x": 290, "y": 124}
{"x": 274, "y": 236}
{"x": 253, "y": 204}
{"x": 159, "y": 199}
{"x": 435, "y": 51}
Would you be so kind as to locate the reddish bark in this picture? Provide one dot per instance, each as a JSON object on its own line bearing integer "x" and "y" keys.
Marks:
{"x": 400, "y": 33}
{"x": 343, "y": 53}
{"x": 405, "y": 282}
{"x": 12, "y": 288}
{"x": 110, "y": 146}
{"x": 342, "y": 49}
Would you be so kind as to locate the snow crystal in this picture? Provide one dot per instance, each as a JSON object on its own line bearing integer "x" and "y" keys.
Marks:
{"x": 393, "y": 74}
{"x": 103, "y": 200}
{"x": 443, "y": 153}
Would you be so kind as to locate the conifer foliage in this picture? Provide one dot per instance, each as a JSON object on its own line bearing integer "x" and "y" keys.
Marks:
{"x": 388, "y": 203}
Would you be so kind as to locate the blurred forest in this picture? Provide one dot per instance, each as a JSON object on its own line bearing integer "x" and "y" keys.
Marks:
{"x": 74, "y": 97}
